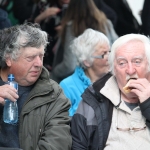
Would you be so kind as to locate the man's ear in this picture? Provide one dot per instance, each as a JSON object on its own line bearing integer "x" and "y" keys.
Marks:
{"x": 86, "y": 63}
{"x": 8, "y": 62}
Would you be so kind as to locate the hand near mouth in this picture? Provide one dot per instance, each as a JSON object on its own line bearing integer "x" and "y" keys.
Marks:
{"x": 126, "y": 88}
{"x": 141, "y": 87}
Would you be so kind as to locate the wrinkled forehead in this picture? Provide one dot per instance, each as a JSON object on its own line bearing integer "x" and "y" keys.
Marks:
{"x": 131, "y": 49}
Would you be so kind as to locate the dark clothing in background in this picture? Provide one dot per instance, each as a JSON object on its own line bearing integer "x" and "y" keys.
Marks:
{"x": 4, "y": 21}
{"x": 49, "y": 25}
{"x": 145, "y": 17}
{"x": 126, "y": 22}
{"x": 8, "y": 5}
{"x": 109, "y": 12}
{"x": 22, "y": 9}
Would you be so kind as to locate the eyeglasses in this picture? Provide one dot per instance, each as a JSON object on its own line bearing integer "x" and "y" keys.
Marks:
{"x": 105, "y": 55}
{"x": 133, "y": 129}
{"x": 128, "y": 129}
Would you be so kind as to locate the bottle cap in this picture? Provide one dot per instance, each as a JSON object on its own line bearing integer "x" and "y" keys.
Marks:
{"x": 11, "y": 77}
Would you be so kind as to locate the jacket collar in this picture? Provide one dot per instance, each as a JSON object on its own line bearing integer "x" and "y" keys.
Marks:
{"x": 42, "y": 84}
{"x": 112, "y": 88}
{"x": 42, "y": 87}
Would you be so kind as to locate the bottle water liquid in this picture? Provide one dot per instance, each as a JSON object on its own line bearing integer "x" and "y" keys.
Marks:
{"x": 10, "y": 113}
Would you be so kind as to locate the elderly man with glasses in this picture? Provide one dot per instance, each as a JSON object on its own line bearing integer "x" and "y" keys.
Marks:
{"x": 114, "y": 113}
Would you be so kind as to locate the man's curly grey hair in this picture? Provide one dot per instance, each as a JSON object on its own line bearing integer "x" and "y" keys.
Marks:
{"x": 20, "y": 36}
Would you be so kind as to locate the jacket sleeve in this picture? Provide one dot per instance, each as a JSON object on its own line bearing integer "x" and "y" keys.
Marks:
{"x": 79, "y": 130}
{"x": 68, "y": 93}
{"x": 145, "y": 108}
{"x": 66, "y": 89}
{"x": 56, "y": 134}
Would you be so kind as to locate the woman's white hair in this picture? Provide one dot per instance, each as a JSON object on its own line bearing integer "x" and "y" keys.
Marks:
{"x": 84, "y": 45}
{"x": 124, "y": 40}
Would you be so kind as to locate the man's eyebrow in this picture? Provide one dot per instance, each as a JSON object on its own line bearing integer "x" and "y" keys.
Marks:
{"x": 41, "y": 53}
{"x": 30, "y": 55}
{"x": 120, "y": 58}
{"x": 137, "y": 57}
{"x": 132, "y": 58}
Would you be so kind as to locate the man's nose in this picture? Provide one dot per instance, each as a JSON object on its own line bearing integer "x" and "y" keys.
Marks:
{"x": 130, "y": 69}
{"x": 38, "y": 61}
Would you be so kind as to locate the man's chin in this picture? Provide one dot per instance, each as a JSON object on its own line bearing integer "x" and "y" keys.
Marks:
{"x": 32, "y": 80}
{"x": 132, "y": 95}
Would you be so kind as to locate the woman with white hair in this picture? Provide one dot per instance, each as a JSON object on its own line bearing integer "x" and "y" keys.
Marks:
{"x": 79, "y": 16}
{"x": 91, "y": 50}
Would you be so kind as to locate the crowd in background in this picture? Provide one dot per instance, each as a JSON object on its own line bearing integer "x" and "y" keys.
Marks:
{"x": 64, "y": 21}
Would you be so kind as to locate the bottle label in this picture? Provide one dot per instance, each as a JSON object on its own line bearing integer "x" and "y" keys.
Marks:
{"x": 14, "y": 84}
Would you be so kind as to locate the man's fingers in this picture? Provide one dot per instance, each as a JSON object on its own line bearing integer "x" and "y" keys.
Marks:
{"x": 8, "y": 92}
{"x": 2, "y": 101}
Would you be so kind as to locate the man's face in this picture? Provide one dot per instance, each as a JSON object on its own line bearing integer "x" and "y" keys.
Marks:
{"x": 130, "y": 62}
{"x": 27, "y": 68}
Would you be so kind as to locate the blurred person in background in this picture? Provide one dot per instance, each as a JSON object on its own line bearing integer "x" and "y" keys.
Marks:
{"x": 126, "y": 22}
{"x": 80, "y": 15}
{"x": 145, "y": 19}
{"x": 23, "y": 9}
{"x": 8, "y": 6}
{"x": 4, "y": 20}
{"x": 49, "y": 13}
{"x": 91, "y": 50}
{"x": 109, "y": 12}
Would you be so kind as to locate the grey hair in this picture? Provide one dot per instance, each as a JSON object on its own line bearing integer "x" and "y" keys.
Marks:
{"x": 20, "y": 36}
{"x": 84, "y": 45}
{"x": 125, "y": 39}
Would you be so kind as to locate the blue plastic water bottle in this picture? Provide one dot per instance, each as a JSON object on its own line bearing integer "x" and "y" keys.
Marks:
{"x": 10, "y": 113}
